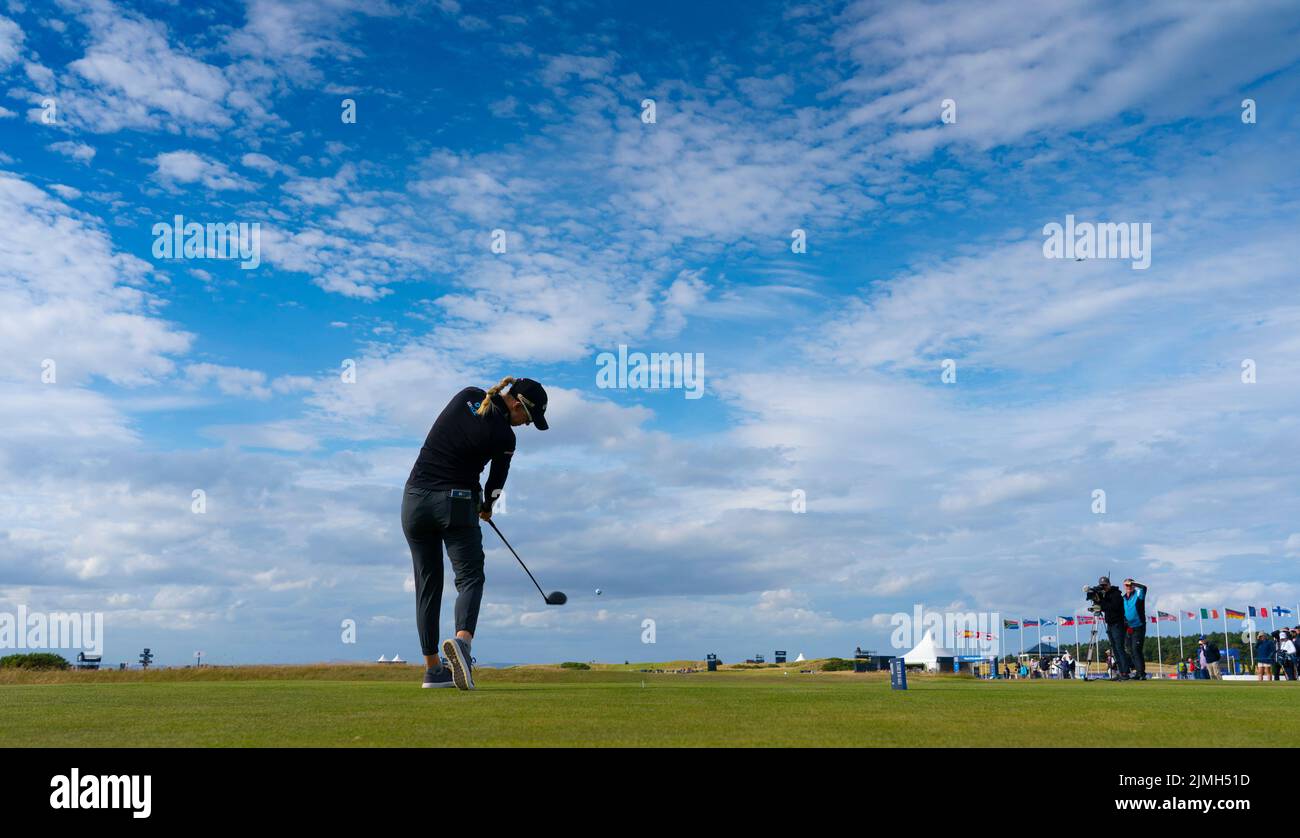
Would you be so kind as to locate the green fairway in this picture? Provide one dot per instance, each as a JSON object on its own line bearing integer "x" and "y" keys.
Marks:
{"x": 376, "y": 706}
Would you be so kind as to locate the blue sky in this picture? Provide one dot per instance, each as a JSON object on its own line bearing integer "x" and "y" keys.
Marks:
{"x": 822, "y": 369}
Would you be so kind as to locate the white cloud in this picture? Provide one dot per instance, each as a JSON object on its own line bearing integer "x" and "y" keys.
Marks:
{"x": 66, "y": 294}
{"x": 264, "y": 164}
{"x": 1016, "y": 68}
{"x": 131, "y": 76}
{"x": 232, "y": 381}
{"x": 184, "y": 167}
{"x": 322, "y": 192}
{"x": 80, "y": 152}
{"x": 11, "y": 40}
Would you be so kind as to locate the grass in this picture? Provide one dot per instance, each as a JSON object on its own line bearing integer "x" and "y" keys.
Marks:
{"x": 610, "y": 706}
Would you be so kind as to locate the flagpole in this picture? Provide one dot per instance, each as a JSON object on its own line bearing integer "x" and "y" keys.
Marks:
{"x": 1076, "y": 636}
{"x": 1180, "y": 636}
{"x": 1272, "y": 620}
{"x": 1225, "y": 638}
{"x": 1159, "y": 657}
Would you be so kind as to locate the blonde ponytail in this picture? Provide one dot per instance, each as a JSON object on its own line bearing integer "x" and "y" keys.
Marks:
{"x": 486, "y": 406}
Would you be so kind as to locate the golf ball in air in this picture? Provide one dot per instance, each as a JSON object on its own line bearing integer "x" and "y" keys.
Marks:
{"x": 598, "y": 592}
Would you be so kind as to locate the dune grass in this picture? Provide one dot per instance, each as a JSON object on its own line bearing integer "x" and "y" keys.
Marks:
{"x": 527, "y": 706}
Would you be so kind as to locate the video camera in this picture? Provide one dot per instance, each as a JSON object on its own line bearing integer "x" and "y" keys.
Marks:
{"x": 1094, "y": 596}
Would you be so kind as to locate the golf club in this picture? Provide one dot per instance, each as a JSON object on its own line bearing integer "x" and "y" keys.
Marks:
{"x": 554, "y": 597}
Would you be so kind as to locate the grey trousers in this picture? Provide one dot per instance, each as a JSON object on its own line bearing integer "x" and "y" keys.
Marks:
{"x": 430, "y": 519}
{"x": 1135, "y": 650}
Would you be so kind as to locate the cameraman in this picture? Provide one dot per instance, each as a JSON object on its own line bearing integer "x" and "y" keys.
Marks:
{"x": 1112, "y": 607}
{"x": 1135, "y": 620}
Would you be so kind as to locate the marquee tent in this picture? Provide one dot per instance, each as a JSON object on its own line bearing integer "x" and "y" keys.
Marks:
{"x": 927, "y": 654}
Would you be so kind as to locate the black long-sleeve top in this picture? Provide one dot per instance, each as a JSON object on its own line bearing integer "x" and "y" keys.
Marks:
{"x": 461, "y": 443}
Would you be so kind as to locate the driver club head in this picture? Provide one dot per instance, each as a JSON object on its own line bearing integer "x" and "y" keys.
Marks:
{"x": 556, "y": 598}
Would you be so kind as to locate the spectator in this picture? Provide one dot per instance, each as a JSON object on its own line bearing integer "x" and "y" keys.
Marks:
{"x": 1286, "y": 651}
{"x": 1135, "y": 623}
{"x": 1265, "y": 658}
{"x": 1067, "y": 666}
{"x": 1209, "y": 657}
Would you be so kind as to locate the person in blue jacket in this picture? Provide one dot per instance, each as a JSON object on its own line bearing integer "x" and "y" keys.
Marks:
{"x": 1135, "y": 619}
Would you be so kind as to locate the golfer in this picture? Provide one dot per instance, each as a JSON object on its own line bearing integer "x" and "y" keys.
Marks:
{"x": 443, "y": 502}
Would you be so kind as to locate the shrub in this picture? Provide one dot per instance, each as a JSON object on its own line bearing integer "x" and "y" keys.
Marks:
{"x": 574, "y": 665}
{"x": 34, "y": 660}
{"x": 837, "y": 665}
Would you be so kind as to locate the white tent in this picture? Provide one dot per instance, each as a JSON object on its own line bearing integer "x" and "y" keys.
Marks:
{"x": 382, "y": 659}
{"x": 397, "y": 658}
{"x": 800, "y": 658}
{"x": 927, "y": 654}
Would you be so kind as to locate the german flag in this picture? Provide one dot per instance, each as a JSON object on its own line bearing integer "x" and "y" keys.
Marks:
{"x": 1234, "y": 615}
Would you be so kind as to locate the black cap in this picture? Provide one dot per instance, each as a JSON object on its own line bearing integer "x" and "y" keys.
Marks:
{"x": 1105, "y": 580}
{"x": 533, "y": 396}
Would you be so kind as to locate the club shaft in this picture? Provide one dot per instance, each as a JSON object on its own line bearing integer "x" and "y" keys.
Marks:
{"x": 516, "y": 555}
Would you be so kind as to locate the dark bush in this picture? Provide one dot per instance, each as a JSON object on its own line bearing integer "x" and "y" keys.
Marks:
{"x": 34, "y": 660}
{"x": 574, "y": 665}
{"x": 837, "y": 665}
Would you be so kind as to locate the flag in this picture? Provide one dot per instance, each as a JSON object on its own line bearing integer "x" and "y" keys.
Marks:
{"x": 1086, "y": 619}
{"x": 1280, "y": 611}
{"x": 1234, "y": 615}
{"x": 1066, "y": 621}
{"x": 1046, "y": 622}
{"x": 1010, "y": 624}
{"x": 1030, "y": 623}
{"x": 1165, "y": 616}
{"x": 1152, "y": 619}
{"x": 1191, "y": 615}
{"x": 1209, "y": 613}
{"x": 1251, "y": 609}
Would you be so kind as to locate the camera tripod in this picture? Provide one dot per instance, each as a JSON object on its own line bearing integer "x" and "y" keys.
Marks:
{"x": 1094, "y": 651}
